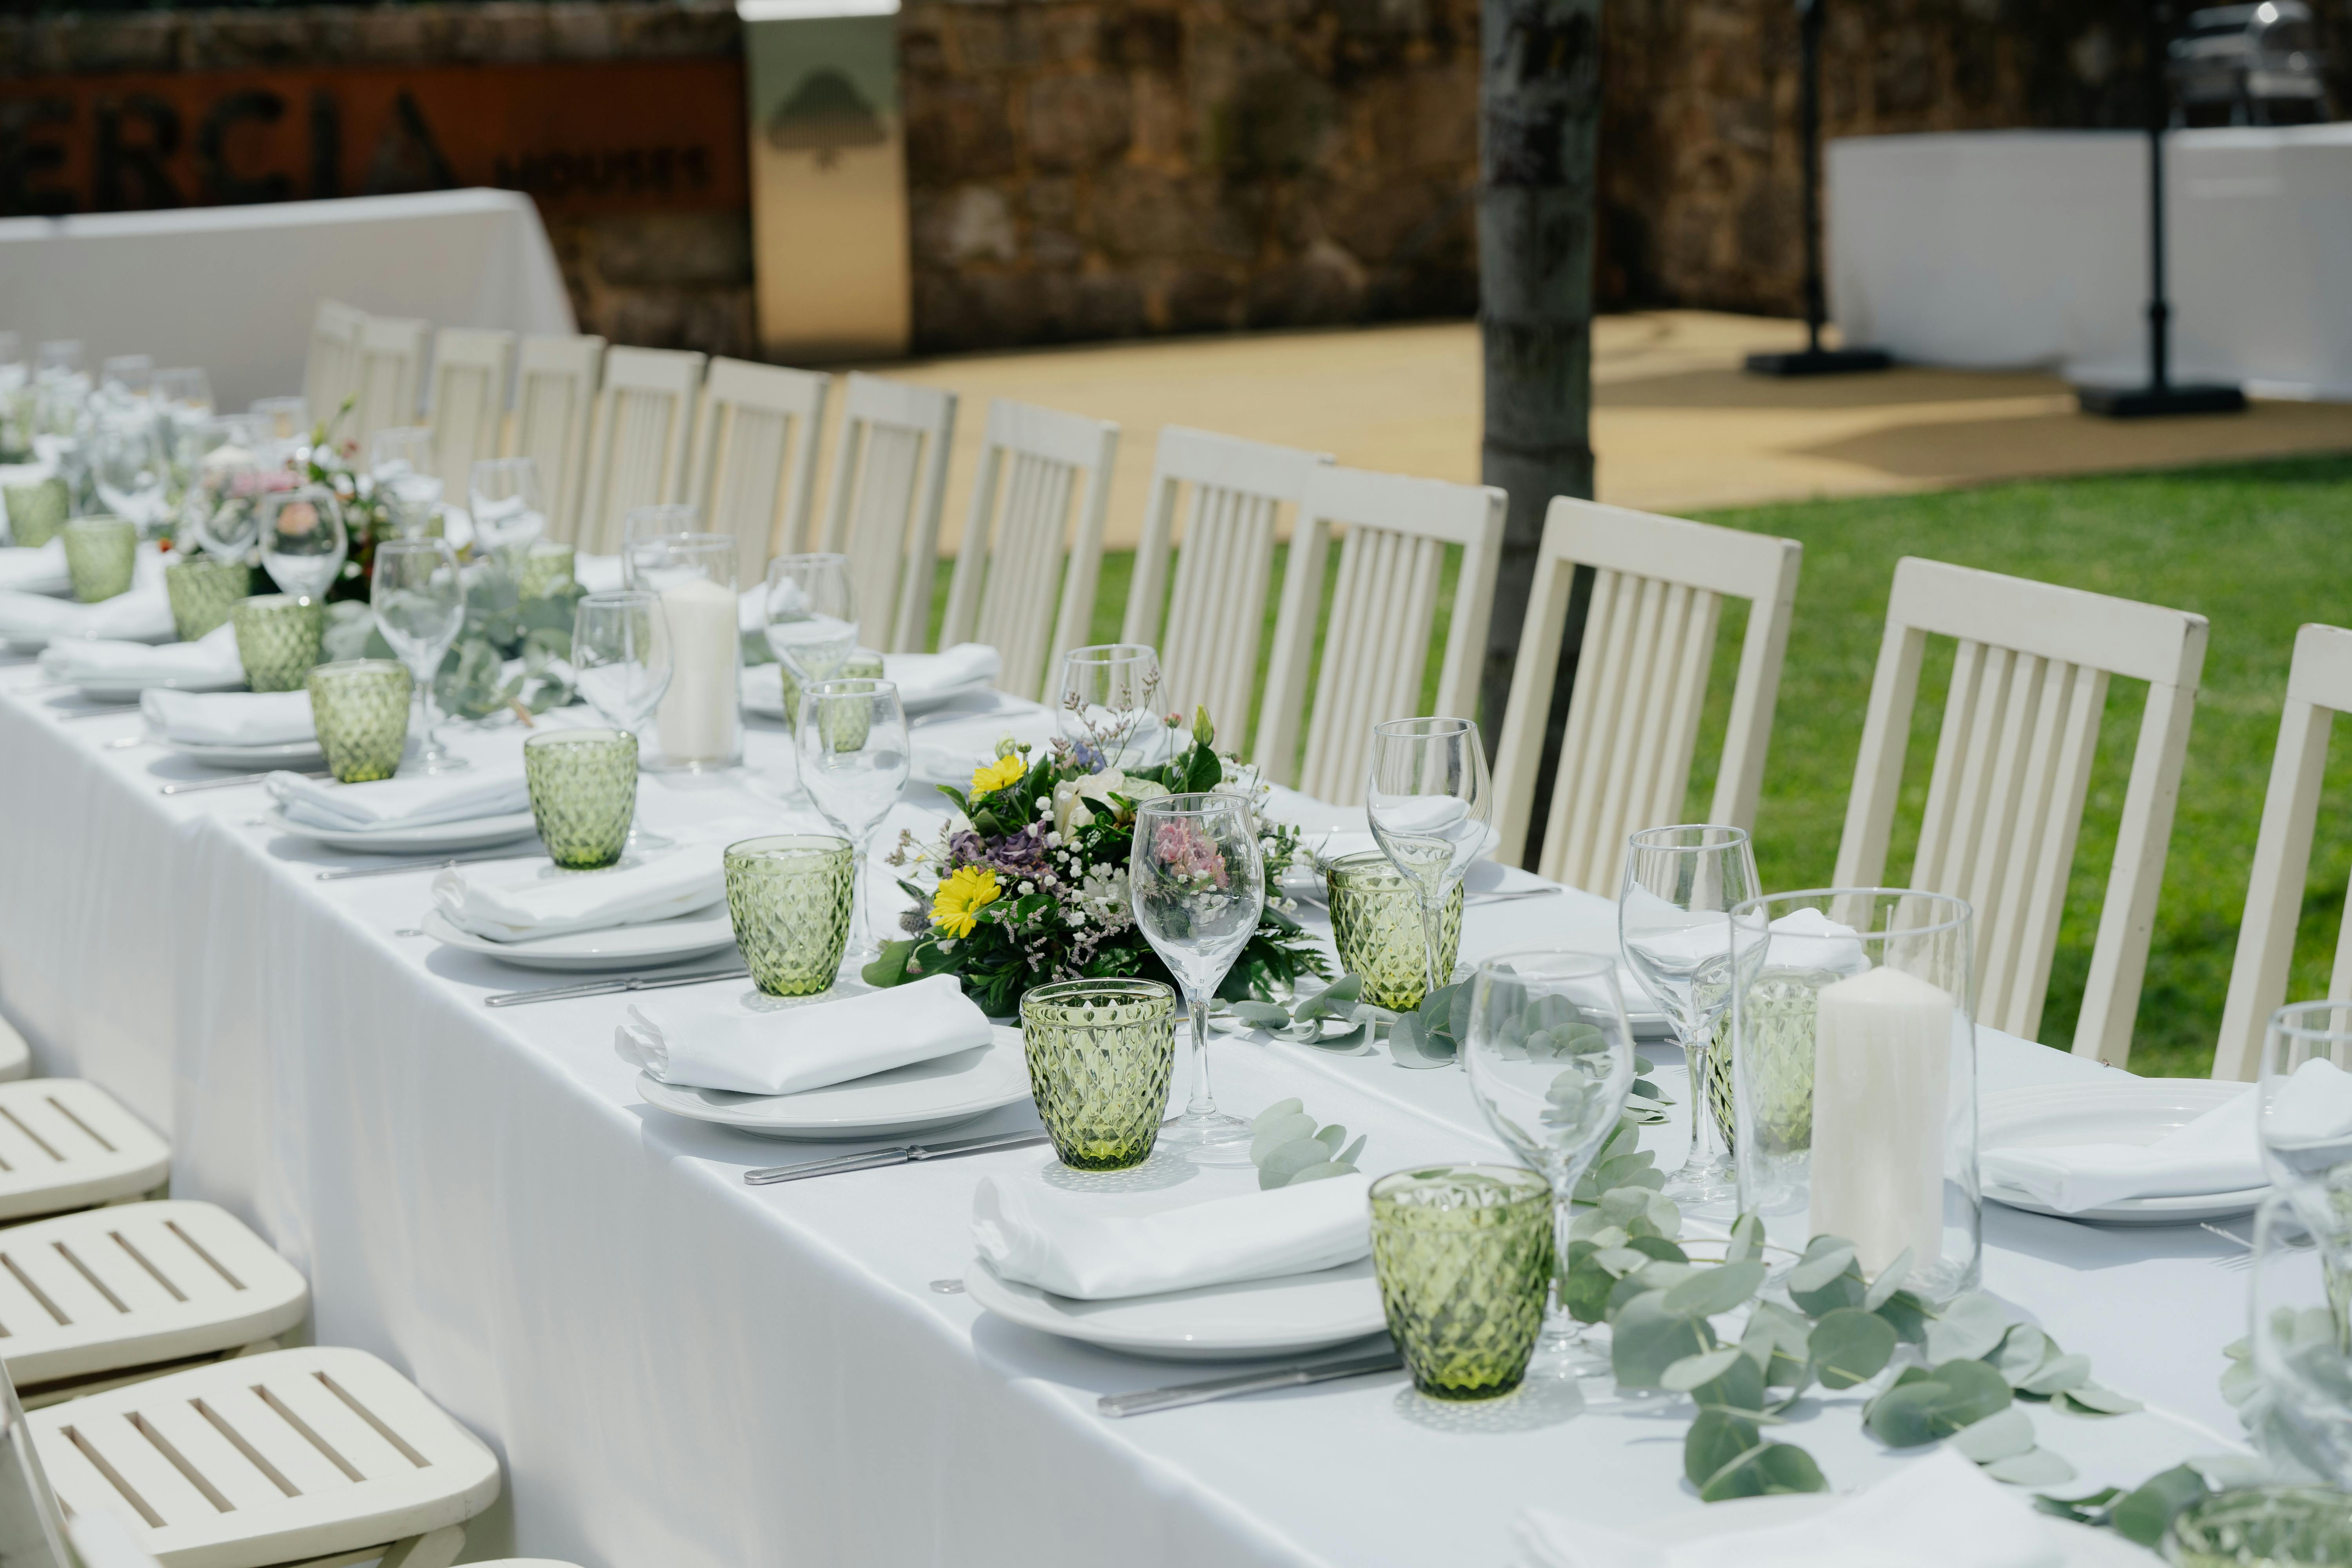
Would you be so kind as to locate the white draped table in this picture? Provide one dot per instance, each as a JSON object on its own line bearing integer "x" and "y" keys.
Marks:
{"x": 680, "y": 1369}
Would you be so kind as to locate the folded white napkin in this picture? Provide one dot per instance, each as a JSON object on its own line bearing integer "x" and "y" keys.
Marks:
{"x": 388, "y": 803}
{"x": 509, "y": 901}
{"x": 1332, "y": 845}
{"x": 1064, "y": 1242}
{"x": 709, "y": 1041}
{"x": 229, "y": 717}
{"x": 208, "y": 664}
{"x": 2215, "y": 1153}
{"x": 141, "y": 615}
{"x": 40, "y": 570}
{"x": 1940, "y": 1511}
{"x": 1678, "y": 940}
{"x": 924, "y": 678}
{"x": 596, "y": 574}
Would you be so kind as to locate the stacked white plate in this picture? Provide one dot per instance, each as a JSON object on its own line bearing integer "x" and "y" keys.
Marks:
{"x": 922, "y": 1096}
{"x": 1286, "y": 1316}
{"x": 2115, "y": 1109}
{"x": 441, "y": 836}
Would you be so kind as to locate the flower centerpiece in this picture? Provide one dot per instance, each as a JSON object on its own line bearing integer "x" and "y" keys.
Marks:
{"x": 1028, "y": 883}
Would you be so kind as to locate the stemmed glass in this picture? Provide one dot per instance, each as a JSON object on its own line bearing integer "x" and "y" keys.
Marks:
{"x": 126, "y": 378}
{"x": 221, "y": 508}
{"x": 1107, "y": 691}
{"x": 2304, "y": 1108}
{"x": 302, "y": 539}
{"x": 503, "y": 500}
{"x": 185, "y": 392}
{"x": 419, "y": 599}
{"x": 1198, "y": 882}
{"x": 854, "y": 764}
{"x": 1428, "y": 798}
{"x": 620, "y": 662}
{"x": 282, "y": 418}
{"x": 400, "y": 460}
{"x": 1673, "y": 923}
{"x": 2301, "y": 1304}
{"x": 1550, "y": 1058}
{"x": 812, "y": 615}
{"x": 130, "y": 468}
{"x": 654, "y": 522}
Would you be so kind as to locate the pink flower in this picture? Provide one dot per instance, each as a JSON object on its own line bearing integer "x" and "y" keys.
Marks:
{"x": 1184, "y": 848}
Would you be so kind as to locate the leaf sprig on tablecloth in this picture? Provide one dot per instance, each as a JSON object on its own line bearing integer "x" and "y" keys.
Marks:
{"x": 1288, "y": 1148}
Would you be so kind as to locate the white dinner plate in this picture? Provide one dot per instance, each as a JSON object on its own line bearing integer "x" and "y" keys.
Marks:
{"x": 473, "y": 834}
{"x": 919, "y": 1098}
{"x": 2112, "y": 1110}
{"x": 131, "y": 690}
{"x": 251, "y": 759}
{"x": 615, "y": 947}
{"x": 2084, "y": 1546}
{"x": 763, "y": 693}
{"x": 1288, "y": 1316}
{"x": 33, "y": 642}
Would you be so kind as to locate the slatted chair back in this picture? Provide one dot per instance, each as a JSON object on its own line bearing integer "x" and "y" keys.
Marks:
{"x": 1383, "y": 607}
{"x": 331, "y": 370}
{"x": 554, "y": 402}
{"x": 2013, "y": 766}
{"x": 889, "y": 479}
{"x": 1034, "y": 534}
{"x": 471, "y": 368}
{"x": 753, "y": 472}
{"x": 391, "y": 371}
{"x": 2318, "y": 688}
{"x": 1229, "y": 494}
{"x": 1634, "y": 712}
{"x": 637, "y": 444}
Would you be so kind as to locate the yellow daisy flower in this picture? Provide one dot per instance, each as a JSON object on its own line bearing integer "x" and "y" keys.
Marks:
{"x": 965, "y": 891}
{"x": 998, "y": 774}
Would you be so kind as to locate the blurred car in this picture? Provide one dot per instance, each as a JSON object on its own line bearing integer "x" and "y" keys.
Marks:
{"x": 2248, "y": 65}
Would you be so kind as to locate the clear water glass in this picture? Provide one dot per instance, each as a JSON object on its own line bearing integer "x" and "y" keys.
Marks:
{"x": 220, "y": 510}
{"x": 1108, "y": 704}
{"x": 1550, "y": 1058}
{"x": 1673, "y": 908}
{"x": 184, "y": 392}
{"x": 620, "y": 663}
{"x": 1429, "y": 797}
{"x": 654, "y": 522}
{"x": 2304, "y": 1108}
{"x": 126, "y": 378}
{"x": 503, "y": 499}
{"x": 1197, "y": 879}
{"x": 812, "y": 615}
{"x": 303, "y": 544}
{"x": 854, "y": 764}
{"x": 2301, "y": 1303}
{"x": 406, "y": 475}
{"x": 282, "y": 418}
{"x": 419, "y": 599}
{"x": 131, "y": 470}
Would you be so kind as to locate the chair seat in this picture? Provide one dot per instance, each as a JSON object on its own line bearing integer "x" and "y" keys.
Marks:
{"x": 266, "y": 1459}
{"x": 65, "y": 1143}
{"x": 16, "y": 1055}
{"x": 134, "y": 1284}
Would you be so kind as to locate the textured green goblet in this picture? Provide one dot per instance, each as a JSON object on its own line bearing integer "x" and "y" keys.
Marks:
{"x": 2264, "y": 1527}
{"x": 1463, "y": 1256}
{"x": 36, "y": 510}
{"x": 1376, "y": 926}
{"x": 359, "y": 708}
{"x": 789, "y": 895}
{"x": 584, "y": 791}
{"x": 1099, "y": 1054}
{"x": 278, "y": 640}
{"x": 100, "y": 552}
{"x": 856, "y": 667}
{"x": 545, "y": 568}
{"x": 203, "y": 592}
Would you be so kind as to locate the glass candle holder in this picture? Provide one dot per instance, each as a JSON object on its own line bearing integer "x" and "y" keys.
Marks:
{"x": 584, "y": 793}
{"x": 789, "y": 895}
{"x": 1464, "y": 1255}
{"x": 359, "y": 708}
{"x": 100, "y": 555}
{"x": 278, "y": 640}
{"x": 1099, "y": 1055}
{"x": 37, "y": 510}
{"x": 2262, "y": 1527}
{"x": 1854, "y": 1076}
{"x": 203, "y": 592}
{"x": 1376, "y": 926}
{"x": 546, "y": 566}
{"x": 698, "y": 727}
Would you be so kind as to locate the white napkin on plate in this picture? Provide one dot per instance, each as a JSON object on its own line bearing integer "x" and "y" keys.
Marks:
{"x": 229, "y": 717}
{"x": 40, "y": 570}
{"x": 1332, "y": 845}
{"x": 208, "y": 664}
{"x": 1940, "y": 1511}
{"x": 708, "y": 1040}
{"x": 596, "y": 574}
{"x": 2215, "y": 1153}
{"x": 518, "y": 902}
{"x": 924, "y": 678}
{"x": 387, "y": 803}
{"x": 141, "y": 615}
{"x": 1065, "y": 1242}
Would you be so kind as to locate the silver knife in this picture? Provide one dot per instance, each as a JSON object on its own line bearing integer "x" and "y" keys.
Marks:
{"x": 1505, "y": 898}
{"x": 904, "y": 1154}
{"x": 612, "y": 988}
{"x": 344, "y": 873}
{"x": 229, "y": 783}
{"x": 1147, "y": 1400}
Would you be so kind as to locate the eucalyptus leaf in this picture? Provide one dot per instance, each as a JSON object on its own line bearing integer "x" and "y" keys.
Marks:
{"x": 1318, "y": 1173}
{"x": 1908, "y": 1315}
{"x": 1826, "y": 1258}
{"x": 2034, "y": 1468}
{"x": 1348, "y": 1155}
{"x": 1411, "y": 1046}
{"x": 1276, "y": 1169}
{"x": 1276, "y": 1111}
{"x": 1260, "y": 1014}
{"x": 1739, "y": 1387}
{"x": 1906, "y": 1414}
{"x": 1763, "y": 1472}
{"x": 1692, "y": 1370}
{"x": 1657, "y": 1247}
{"x": 1777, "y": 1339}
{"x": 1273, "y": 1135}
{"x": 2059, "y": 1375}
{"x": 2021, "y": 1353}
{"x": 1645, "y": 1339}
{"x": 1999, "y": 1436}
{"x": 1714, "y": 1441}
{"x": 2144, "y": 1514}
{"x": 1969, "y": 1326}
{"x": 1849, "y": 1346}
{"x": 1890, "y": 1280}
{"x": 1619, "y": 1260}
{"x": 1331, "y": 1137}
{"x": 1712, "y": 1291}
{"x": 2090, "y": 1399}
{"x": 1977, "y": 1391}
{"x": 1337, "y": 1000}
{"x": 1585, "y": 1291}
{"x": 1747, "y": 1238}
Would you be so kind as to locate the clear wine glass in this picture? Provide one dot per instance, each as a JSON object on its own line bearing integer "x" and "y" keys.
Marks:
{"x": 1550, "y": 1058}
{"x": 2301, "y": 1303}
{"x": 1108, "y": 692}
{"x": 620, "y": 662}
{"x": 221, "y": 508}
{"x": 282, "y": 418}
{"x": 2304, "y": 1108}
{"x": 1673, "y": 922}
{"x": 502, "y": 497}
{"x": 1198, "y": 882}
{"x": 401, "y": 462}
{"x": 126, "y": 378}
{"x": 1429, "y": 797}
{"x": 812, "y": 615}
{"x": 185, "y": 392}
{"x": 419, "y": 599}
{"x": 854, "y": 764}
{"x": 130, "y": 468}
{"x": 302, "y": 539}
{"x": 655, "y": 521}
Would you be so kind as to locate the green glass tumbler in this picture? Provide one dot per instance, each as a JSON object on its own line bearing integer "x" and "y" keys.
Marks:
{"x": 100, "y": 553}
{"x": 584, "y": 793}
{"x": 359, "y": 708}
{"x": 1376, "y": 926}
{"x": 546, "y": 567}
{"x": 1099, "y": 1054}
{"x": 2264, "y": 1527}
{"x": 789, "y": 895}
{"x": 36, "y": 510}
{"x": 858, "y": 666}
{"x": 278, "y": 640}
{"x": 1464, "y": 1255}
{"x": 203, "y": 592}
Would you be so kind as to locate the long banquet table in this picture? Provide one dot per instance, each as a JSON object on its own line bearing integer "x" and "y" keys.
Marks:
{"x": 680, "y": 1369}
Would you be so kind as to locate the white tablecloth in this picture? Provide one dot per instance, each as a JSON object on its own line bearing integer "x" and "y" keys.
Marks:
{"x": 680, "y": 1369}
{"x": 233, "y": 288}
{"x": 2029, "y": 248}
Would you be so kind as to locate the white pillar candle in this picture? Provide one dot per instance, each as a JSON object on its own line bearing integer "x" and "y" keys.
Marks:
{"x": 1882, "y": 1074}
{"x": 699, "y": 715}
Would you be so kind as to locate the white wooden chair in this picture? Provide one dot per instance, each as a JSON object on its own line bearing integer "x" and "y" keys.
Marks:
{"x": 1229, "y": 493}
{"x": 391, "y": 369}
{"x": 2318, "y": 688}
{"x": 331, "y": 370}
{"x": 15, "y": 1053}
{"x": 638, "y": 443}
{"x": 889, "y": 479}
{"x": 753, "y": 472}
{"x": 470, "y": 371}
{"x": 65, "y": 1143}
{"x": 555, "y": 398}
{"x": 1040, "y": 472}
{"x": 1658, "y": 588}
{"x": 2012, "y": 766}
{"x": 1383, "y": 605}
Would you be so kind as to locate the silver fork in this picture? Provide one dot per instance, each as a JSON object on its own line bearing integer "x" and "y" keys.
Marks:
{"x": 2237, "y": 1262}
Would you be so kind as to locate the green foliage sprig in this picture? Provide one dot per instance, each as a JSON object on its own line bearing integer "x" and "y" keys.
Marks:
{"x": 1288, "y": 1148}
